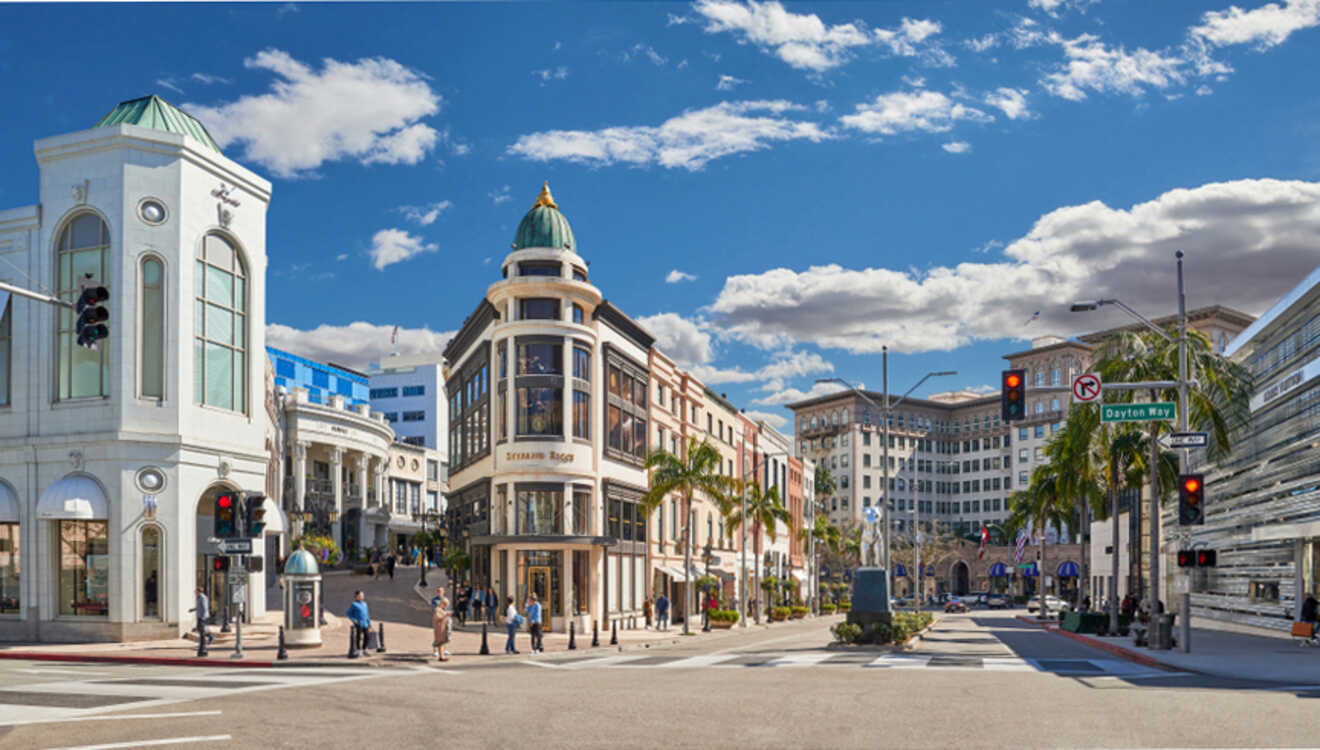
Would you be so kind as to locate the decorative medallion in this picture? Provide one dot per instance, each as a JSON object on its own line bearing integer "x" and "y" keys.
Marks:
{"x": 80, "y": 192}
{"x": 223, "y": 469}
{"x": 150, "y": 480}
{"x": 152, "y": 211}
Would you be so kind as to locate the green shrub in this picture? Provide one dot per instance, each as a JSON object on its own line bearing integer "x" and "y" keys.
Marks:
{"x": 845, "y": 605}
{"x": 723, "y": 615}
{"x": 876, "y": 632}
{"x": 846, "y": 632}
{"x": 827, "y": 608}
{"x": 781, "y": 612}
{"x": 799, "y": 610}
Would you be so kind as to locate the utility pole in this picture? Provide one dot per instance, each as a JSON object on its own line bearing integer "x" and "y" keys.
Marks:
{"x": 884, "y": 417}
{"x": 1185, "y": 604}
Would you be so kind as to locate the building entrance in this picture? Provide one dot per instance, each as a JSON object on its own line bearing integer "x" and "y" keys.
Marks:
{"x": 538, "y": 579}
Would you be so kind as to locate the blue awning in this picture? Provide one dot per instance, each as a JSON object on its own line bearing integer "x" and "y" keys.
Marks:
{"x": 1030, "y": 571}
{"x": 998, "y": 570}
{"x": 930, "y": 571}
{"x": 899, "y": 570}
{"x": 1068, "y": 570}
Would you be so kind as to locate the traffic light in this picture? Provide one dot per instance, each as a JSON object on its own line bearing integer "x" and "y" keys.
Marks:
{"x": 1186, "y": 558}
{"x": 1013, "y": 395}
{"x": 92, "y": 313}
{"x": 1206, "y": 558}
{"x": 255, "y": 564}
{"x": 220, "y": 564}
{"x": 1191, "y": 500}
{"x": 254, "y": 513}
{"x": 226, "y": 515}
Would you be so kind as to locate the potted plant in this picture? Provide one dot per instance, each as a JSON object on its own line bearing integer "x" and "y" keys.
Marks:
{"x": 723, "y": 619}
{"x": 827, "y": 608}
{"x": 845, "y": 605}
{"x": 779, "y": 614}
{"x": 799, "y": 612}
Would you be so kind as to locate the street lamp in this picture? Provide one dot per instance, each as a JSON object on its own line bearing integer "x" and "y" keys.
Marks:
{"x": 422, "y": 518}
{"x": 885, "y": 411}
{"x": 705, "y": 610}
{"x": 1154, "y": 464}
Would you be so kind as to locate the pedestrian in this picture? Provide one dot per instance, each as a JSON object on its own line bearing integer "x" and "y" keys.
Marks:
{"x": 389, "y": 565}
{"x": 511, "y": 621}
{"x": 358, "y": 615}
{"x": 440, "y": 624}
{"x": 1128, "y": 605}
{"x": 646, "y": 612}
{"x": 1309, "y": 609}
{"x": 1086, "y": 604}
{"x": 472, "y": 605}
{"x": 662, "y": 612}
{"x": 202, "y": 607}
{"x": 461, "y": 606}
{"x": 534, "y": 623}
{"x": 375, "y": 564}
{"x": 475, "y": 598}
{"x": 492, "y": 603}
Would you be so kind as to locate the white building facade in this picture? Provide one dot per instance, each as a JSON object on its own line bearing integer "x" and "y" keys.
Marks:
{"x": 410, "y": 391}
{"x": 110, "y": 459}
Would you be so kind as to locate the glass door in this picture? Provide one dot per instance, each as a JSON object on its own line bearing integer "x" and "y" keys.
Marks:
{"x": 538, "y": 579}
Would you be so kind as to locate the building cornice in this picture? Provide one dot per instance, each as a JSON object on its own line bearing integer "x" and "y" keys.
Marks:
{"x": 615, "y": 318}
{"x": 475, "y": 324}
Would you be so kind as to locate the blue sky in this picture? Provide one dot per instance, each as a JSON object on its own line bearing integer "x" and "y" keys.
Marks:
{"x": 775, "y": 190}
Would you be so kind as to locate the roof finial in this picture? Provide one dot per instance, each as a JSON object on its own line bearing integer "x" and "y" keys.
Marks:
{"x": 545, "y": 198}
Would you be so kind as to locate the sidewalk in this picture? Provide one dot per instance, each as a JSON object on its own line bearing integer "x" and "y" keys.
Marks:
{"x": 398, "y": 603}
{"x": 1214, "y": 652}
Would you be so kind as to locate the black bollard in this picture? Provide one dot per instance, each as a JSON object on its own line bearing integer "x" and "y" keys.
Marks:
{"x": 614, "y": 632}
{"x": 352, "y": 641}
{"x": 485, "y": 649}
{"x": 572, "y": 636}
{"x": 281, "y": 654}
{"x": 380, "y": 647}
{"x": 201, "y": 639}
{"x": 595, "y": 633}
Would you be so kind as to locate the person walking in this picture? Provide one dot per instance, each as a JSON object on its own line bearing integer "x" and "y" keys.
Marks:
{"x": 511, "y": 621}
{"x": 492, "y": 603}
{"x": 375, "y": 565}
{"x": 534, "y": 623}
{"x": 662, "y": 612}
{"x": 475, "y": 598}
{"x": 461, "y": 605}
{"x": 202, "y": 607}
{"x": 440, "y": 624}
{"x": 359, "y": 616}
{"x": 646, "y": 611}
{"x": 389, "y": 565}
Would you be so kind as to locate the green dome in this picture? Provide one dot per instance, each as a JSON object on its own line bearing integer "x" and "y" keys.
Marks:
{"x": 301, "y": 563}
{"x": 544, "y": 226}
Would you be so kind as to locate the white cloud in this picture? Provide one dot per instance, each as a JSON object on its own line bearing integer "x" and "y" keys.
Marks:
{"x": 1013, "y": 102}
{"x": 1265, "y": 27}
{"x": 728, "y": 83}
{"x": 646, "y": 51}
{"x": 674, "y": 20}
{"x": 957, "y": 147}
{"x": 341, "y": 257}
{"x": 902, "y": 111}
{"x": 687, "y": 141}
{"x": 988, "y": 246}
{"x": 790, "y": 395}
{"x": 981, "y": 44}
{"x": 676, "y": 276}
{"x": 168, "y": 83}
{"x": 916, "y": 82}
{"x": 500, "y": 196}
{"x": 786, "y": 365}
{"x": 1247, "y": 242}
{"x": 558, "y": 74}
{"x": 777, "y": 421}
{"x": 367, "y": 110}
{"x": 1051, "y": 7}
{"x": 425, "y": 215}
{"x": 687, "y": 342}
{"x": 1204, "y": 90}
{"x": 806, "y": 42}
{"x": 982, "y": 389}
{"x": 389, "y": 246}
{"x": 822, "y": 106}
{"x": 1091, "y": 65}
{"x": 355, "y": 345}
{"x": 209, "y": 80}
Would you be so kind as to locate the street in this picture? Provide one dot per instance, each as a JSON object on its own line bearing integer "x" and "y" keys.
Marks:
{"x": 981, "y": 680}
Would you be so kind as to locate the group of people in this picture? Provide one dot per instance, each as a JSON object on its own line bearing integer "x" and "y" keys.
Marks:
{"x": 442, "y": 612}
{"x": 472, "y": 600}
{"x": 382, "y": 562}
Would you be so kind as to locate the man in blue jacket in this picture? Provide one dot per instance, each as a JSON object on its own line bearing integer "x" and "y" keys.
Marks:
{"x": 357, "y": 614}
{"x": 534, "y": 622}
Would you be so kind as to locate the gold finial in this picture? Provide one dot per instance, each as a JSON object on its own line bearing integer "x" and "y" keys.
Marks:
{"x": 545, "y": 198}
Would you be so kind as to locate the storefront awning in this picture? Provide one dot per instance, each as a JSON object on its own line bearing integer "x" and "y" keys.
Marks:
{"x": 998, "y": 570}
{"x": 276, "y": 521}
{"x": 73, "y": 499}
{"x": 8, "y": 505}
{"x": 674, "y": 573}
{"x": 1068, "y": 570}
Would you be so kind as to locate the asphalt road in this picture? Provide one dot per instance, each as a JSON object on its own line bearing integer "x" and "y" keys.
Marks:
{"x": 978, "y": 680}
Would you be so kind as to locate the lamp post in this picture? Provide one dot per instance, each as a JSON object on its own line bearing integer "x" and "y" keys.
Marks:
{"x": 705, "y": 610}
{"x": 884, "y": 461}
{"x": 1154, "y": 509}
{"x": 423, "y": 517}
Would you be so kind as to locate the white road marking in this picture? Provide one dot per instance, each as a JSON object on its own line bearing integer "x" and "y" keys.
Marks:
{"x": 808, "y": 659}
{"x": 702, "y": 660}
{"x": 64, "y": 671}
{"x": 61, "y": 720}
{"x": 1006, "y": 664}
{"x": 145, "y": 743}
{"x": 901, "y": 661}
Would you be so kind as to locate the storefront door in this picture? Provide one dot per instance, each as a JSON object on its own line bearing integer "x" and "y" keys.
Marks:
{"x": 538, "y": 579}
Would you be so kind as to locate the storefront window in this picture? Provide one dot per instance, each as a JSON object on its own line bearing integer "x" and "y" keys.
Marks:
{"x": 540, "y": 411}
{"x": 582, "y": 512}
{"x": 151, "y": 584}
{"x": 9, "y": 568}
{"x": 539, "y": 573}
{"x": 84, "y": 567}
{"x": 539, "y": 511}
{"x": 541, "y": 358}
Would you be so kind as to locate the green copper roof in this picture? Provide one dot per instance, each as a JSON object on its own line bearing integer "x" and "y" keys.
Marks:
{"x": 544, "y": 226}
{"x": 154, "y": 112}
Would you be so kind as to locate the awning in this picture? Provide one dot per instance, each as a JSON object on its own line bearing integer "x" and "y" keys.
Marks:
{"x": 1030, "y": 571}
{"x": 899, "y": 570}
{"x": 73, "y": 498}
{"x": 8, "y": 505}
{"x": 276, "y": 521}
{"x": 674, "y": 573}
{"x": 1068, "y": 570}
{"x": 1281, "y": 531}
{"x": 998, "y": 570}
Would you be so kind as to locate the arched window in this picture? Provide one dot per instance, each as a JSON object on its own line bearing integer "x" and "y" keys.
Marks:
{"x": 10, "y": 570}
{"x": 220, "y": 326}
{"x": 151, "y": 359}
{"x": 82, "y": 251}
{"x": 813, "y": 421}
{"x": 834, "y": 417}
{"x": 151, "y": 573}
{"x": 845, "y": 416}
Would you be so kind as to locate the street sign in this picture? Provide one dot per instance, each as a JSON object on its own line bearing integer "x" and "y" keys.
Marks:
{"x": 236, "y": 546}
{"x": 1086, "y": 388}
{"x": 238, "y": 594}
{"x": 1186, "y": 440}
{"x": 1183, "y": 584}
{"x": 1161, "y": 411}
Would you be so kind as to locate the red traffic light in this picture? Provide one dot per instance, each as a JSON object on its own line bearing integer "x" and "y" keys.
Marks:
{"x": 1206, "y": 558}
{"x": 1012, "y": 380}
{"x": 1186, "y": 559}
{"x": 1191, "y": 484}
{"x": 225, "y": 501}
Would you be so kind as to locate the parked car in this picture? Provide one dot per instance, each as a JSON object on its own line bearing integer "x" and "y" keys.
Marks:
{"x": 1052, "y": 602}
{"x": 954, "y": 604}
{"x": 996, "y": 601}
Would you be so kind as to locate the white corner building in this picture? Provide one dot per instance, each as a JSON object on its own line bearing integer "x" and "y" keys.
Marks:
{"x": 110, "y": 459}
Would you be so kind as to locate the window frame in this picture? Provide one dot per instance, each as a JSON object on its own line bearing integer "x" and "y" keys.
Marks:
{"x": 65, "y": 319}
{"x": 239, "y": 377}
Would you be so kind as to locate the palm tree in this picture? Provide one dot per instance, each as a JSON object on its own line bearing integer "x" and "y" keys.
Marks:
{"x": 697, "y": 471}
{"x": 763, "y": 509}
{"x": 1041, "y": 506}
{"x": 826, "y": 534}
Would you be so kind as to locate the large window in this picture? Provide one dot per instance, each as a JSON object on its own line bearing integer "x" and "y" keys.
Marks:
{"x": 6, "y": 347}
{"x": 625, "y": 410}
{"x": 151, "y": 570}
{"x": 581, "y": 392}
{"x": 152, "y": 359}
{"x": 10, "y": 594}
{"x": 626, "y": 521}
{"x": 581, "y": 512}
{"x": 84, "y": 567}
{"x": 538, "y": 308}
{"x": 538, "y": 510}
{"x": 82, "y": 252}
{"x": 220, "y": 326}
{"x": 540, "y": 387}
{"x": 469, "y": 411}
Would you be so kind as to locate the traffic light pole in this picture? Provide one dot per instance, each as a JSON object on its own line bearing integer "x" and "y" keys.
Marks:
{"x": 20, "y": 291}
{"x": 1185, "y": 604}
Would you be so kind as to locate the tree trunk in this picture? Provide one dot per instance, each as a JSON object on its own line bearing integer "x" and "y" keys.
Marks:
{"x": 756, "y": 568}
{"x": 687, "y": 565}
{"x": 1113, "y": 580}
{"x": 1040, "y": 574}
{"x": 1084, "y": 580}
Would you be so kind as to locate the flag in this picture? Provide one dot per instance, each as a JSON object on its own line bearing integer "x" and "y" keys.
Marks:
{"x": 1021, "y": 545}
{"x": 1033, "y": 317}
{"x": 985, "y": 537}
{"x": 394, "y": 337}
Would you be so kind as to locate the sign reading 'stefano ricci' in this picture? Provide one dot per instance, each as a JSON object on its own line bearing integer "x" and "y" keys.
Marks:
{"x": 551, "y": 456}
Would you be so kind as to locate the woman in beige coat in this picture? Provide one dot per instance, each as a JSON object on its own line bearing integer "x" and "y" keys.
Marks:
{"x": 440, "y": 624}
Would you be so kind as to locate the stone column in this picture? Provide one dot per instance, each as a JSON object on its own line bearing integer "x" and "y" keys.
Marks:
{"x": 566, "y": 575}
{"x": 361, "y": 471}
{"x": 299, "y": 485}
{"x": 337, "y": 481}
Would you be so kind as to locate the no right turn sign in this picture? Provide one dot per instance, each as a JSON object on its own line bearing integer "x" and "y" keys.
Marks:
{"x": 1086, "y": 388}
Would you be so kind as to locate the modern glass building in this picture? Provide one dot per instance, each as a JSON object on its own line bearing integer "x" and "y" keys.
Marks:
{"x": 320, "y": 379}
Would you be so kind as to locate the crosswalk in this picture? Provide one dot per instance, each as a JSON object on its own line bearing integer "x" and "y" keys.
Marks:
{"x": 855, "y": 660}
{"x": 37, "y": 694}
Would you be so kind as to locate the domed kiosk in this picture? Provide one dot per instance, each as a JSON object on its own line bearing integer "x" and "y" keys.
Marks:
{"x": 302, "y": 600}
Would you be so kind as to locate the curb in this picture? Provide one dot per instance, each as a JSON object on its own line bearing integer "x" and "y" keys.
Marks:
{"x": 189, "y": 661}
{"x": 1108, "y": 648}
